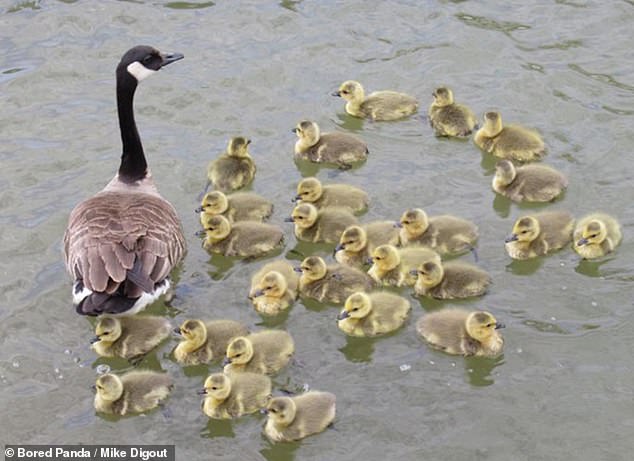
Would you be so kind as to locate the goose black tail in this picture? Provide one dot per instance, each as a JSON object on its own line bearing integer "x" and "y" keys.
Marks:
{"x": 103, "y": 303}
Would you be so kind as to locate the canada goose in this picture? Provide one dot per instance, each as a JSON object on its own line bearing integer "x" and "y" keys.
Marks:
{"x": 379, "y": 105}
{"x": 243, "y": 238}
{"x": 530, "y": 183}
{"x": 539, "y": 234}
{"x": 272, "y": 295}
{"x": 129, "y": 337}
{"x": 510, "y": 142}
{"x": 203, "y": 342}
{"x": 393, "y": 266}
{"x": 448, "y": 118}
{"x": 450, "y": 280}
{"x": 372, "y": 314}
{"x": 233, "y": 169}
{"x": 310, "y": 190}
{"x": 446, "y": 234}
{"x": 266, "y": 351}
{"x": 342, "y": 149}
{"x": 332, "y": 284}
{"x": 296, "y": 417}
{"x": 596, "y": 235}
{"x": 357, "y": 242}
{"x": 240, "y": 206}
{"x": 133, "y": 392}
{"x": 231, "y": 396}
{"x": 312, "y": 225}
{"x": 283, "y": 267}
{"x": 122, "y": 243}
{"x": 459, "y": 332}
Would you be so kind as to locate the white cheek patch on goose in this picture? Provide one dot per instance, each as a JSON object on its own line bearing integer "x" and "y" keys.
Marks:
{"x": 139, "y": 71}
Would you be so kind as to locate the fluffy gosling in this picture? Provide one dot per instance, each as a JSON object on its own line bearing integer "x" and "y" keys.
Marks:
{"x": 235, "y": 395}
{"x": 511, "y": 142}
{"x": 373, "y": 314}
{"x": 266, "y": 352}
{"x": 133, "y": 392}
{"x": 449, "y": 118}
{"x": 234, "y": 169}
{"x": 129, "y": 337}
{"x": 450, "y": 280}
{"x": 327, "y": 225}
{"x": 203, "y": 342}
{"x": 342, "y": 149}
{"x": 596, "y": 235}
{"x": 379, "y": 105}
{"x": 539, "y": 234}
{"x": 240, "y": 206}
{"x": 528, "y": 183}
{"x": 296, "y": 417}
{"x": 311, "y": 190}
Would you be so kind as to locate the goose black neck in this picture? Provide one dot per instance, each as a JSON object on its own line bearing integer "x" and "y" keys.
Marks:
{"x": 133, "y": 164}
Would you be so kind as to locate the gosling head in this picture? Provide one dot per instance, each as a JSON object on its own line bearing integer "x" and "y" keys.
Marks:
{"x": 442, "y": 97}
{"x": 308, "y": 133}
{"x": 108, "y": 330}
{"x": 239, "y": 351}
{"x": 357, "y": 306}
{"x": 217, "y": 386}
{"x": 481, "y": 326}
{"x": 238, "y": 147}
{"x": 504, "y": 172}
{"x": 216, "y": 227}
{"x": 309, "y": 190}
{"x": 414, "y": 221}
{"x": 304, "y": 215}
{"x": 313, "y": 268}
{"x": 213, "y": 203}
{"x": 142, "y": 61}
{"x": 351, "y": 91}
{"x": 281, "y": 410}
{"x": 386, "y": 257}
{"x": 353, "y": 239}
{"x": 593, "y": 233}
{"x": 492, "y": 124}
{"x": 525, "y": 229}
{"x": 109, "y": 387}
{"x": 272, "y": 284}
{"x": 430, "y": 273}
{"x": 193, "y": 331}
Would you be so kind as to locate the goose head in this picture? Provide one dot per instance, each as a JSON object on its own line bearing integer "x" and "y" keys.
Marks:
{"x": 357, "y": 306}
{"x": 386, "y": 257}
{"x": 217, "y": 386}
{"x": 313, "y": 268}
{"x": 525, "y": 229}
{"x": 430, "y": 273}
{"x": 309, "y": 190}
{"x": 492, "y": 124}
{"x": 304, "y": 215}
{"x": 239, "y": 351}
{"x": 481, "y": 325}
{"x": 194, "y": 332}
{"x": 109, "y": 387}
{"x": 272, "y": 284}
{"x": 142, "y": 61}
{"x": 351, "y": 91}
{"x": 214, "y": 202}
{"x": 414, "y": 221}
{"x": 593, "y": 233}
{"x": 308, "y": 133}
{"x": 238, "y": 147}
{"x": 108, "y": 330}
{"x": 505, "y": 172}
{"x": 217, "y": 227}
{"x": 442, "y": 97}
{"x": 353, "y": 239}
{"x": 281, "y": 410}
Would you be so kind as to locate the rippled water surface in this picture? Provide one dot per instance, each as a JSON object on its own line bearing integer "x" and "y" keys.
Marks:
{"x": 563, "y": 388}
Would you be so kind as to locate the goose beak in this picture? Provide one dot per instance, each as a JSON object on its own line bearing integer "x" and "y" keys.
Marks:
{"x": 226, "y": 361}
{"x": 296, "y": 198}
{"x": 257, "y": 293}
{"x": 94, "y": 340}
{"x": 297, "y": 269}
{"x": 169, "y": 58}
{"x": 201, "y": 391}
{"x": 294, "y": 130}
{"x": 94, "y": 388}
{"x": 289, "y": 219}
{"x": 413, "y": 272}
{"x": 398, "y": 224}
{"x": 339, "y": 247}
{"x": 582, "y": 242}
{"x": 200, "y": 233}
{"x": 511, "y": 238}
{"x": 336, "y": 93}
{"x": 369, "y": 261}
{"x": 177, "y": 331}
{"x": 198, "y": 210}
{"x": 499, "y": 325}
{"x": 343, "y": 315}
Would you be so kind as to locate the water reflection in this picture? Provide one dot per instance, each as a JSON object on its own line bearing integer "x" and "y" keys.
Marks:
{"x": 479, "y": 369}
{"x": 218, "y": 428}
{"x": 590, "y": 268}
{"x": 502, "y": 206}
{"x": 526, "y": 266}
{"x": 358, "y": 349}
{"x": 280, "y": 451}
{"x": 188, "y": 5}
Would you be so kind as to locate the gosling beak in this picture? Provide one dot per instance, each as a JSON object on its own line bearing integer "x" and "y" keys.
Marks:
{"x": 169, "y": 58}
{"x": 413, "y": 272}
{"x": 257, "y": 293}
{"x": 94, "y": 387}
{"x": 296, "y": 198}
{"x": 202, "y": 391}
{"x": 343, "y": 315}
{"x": 499, "y": 325}
{"x": 200, "y": 233}
{"x": 298, "y": 269}
{"x": 177, "y": 331}
{"x": 198, "y": 210}
{"x": 582, "y": 242}
{"x": 511, "y": 238}
{"x": 340, "y": 247}
{"x": 226, "y": 361}
{"x": 290, "y": 219}
{"x": 398, "y": 224}
{"x": 369, "y": 261}
{"x": 294, "y": 130}
{"x": 336, "y": 93}
{"x": 94, "y": 340}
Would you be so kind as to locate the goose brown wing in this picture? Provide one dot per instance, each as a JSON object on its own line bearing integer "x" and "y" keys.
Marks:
{"x": 114, "y": 238}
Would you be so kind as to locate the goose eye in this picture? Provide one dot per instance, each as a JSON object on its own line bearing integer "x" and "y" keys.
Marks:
{"x": 148, "y": 58}
{"x": 524, "y": 231}
{"x": 214, "y": 388}
{"x": 355, "y": 309}
{"x": 489, "y": 325}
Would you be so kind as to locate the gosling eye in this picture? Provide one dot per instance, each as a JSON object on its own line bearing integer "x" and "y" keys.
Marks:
{"x": 524, "y": 231}
{"x": 345, "y": 92}
{"x": 300, "y": 217}
{"x": 406, "y": 222}
{"x": 378, "y": 258}
{"x": 214, "y": 388}
{"x": 355, "y": 309}
{"x": 272, "y": 410}
{"x": 489, "y": 325}
{"x": 238, "y": 355}
{"x": 593, "y": 236}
